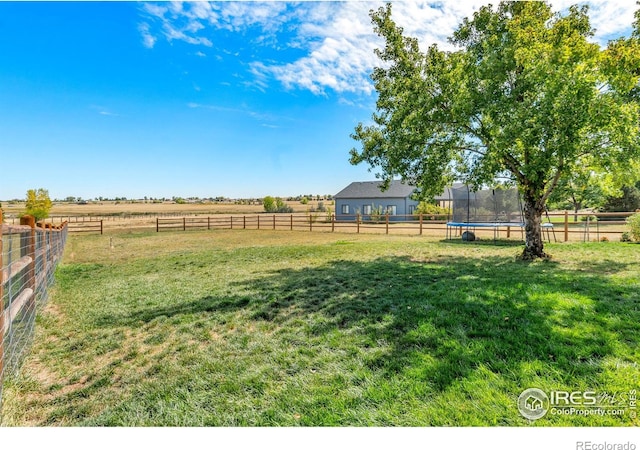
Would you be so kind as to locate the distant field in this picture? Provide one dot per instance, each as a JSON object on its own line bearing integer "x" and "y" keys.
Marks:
{"x": 263, "y": 328}
{"x": 125, "y": 208}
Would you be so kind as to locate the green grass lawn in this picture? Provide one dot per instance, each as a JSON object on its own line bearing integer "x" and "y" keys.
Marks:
{"x": 260, "y": 328}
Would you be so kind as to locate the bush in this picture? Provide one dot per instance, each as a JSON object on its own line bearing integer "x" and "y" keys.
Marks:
{"x": 633, "y": 222}
{"x": 269, "y": 204}
{"x": 431, "y": 210}
{"x": 329, "y": 214}
{"x": 377, "y": 213}
{"x": 626, "y": 237}
{"x": 275, "y": 205}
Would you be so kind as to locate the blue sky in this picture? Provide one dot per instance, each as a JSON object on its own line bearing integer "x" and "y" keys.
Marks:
{"x": 235, "y": 99}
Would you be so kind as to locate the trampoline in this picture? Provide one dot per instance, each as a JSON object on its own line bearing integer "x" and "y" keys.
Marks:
{"x": 487, "y": 208}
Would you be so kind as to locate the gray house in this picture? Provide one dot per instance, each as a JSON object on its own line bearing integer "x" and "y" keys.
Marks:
{"x": 364, "y": 197}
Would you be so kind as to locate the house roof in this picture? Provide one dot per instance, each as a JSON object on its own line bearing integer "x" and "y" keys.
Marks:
{"x": 371, "y": 189}
{"x": 397, "y": 189}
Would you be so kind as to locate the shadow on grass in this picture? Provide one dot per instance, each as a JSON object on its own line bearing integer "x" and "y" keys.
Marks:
{"x": 484, "y": 241}
{"x": 443, "y": 318}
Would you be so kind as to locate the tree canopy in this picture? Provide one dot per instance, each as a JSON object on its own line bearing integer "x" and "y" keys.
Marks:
{"x": 38, "y": 203}
{"x": 525, "y": 96}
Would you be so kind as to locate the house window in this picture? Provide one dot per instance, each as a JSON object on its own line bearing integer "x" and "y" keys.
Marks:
{"x": 391, "y": 210}
{"x": 412, "y": 209}
{"x": 367, "y": 209}
{"x": 345, "y": 209}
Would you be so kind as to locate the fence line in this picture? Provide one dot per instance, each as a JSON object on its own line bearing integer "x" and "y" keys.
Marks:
{"x": 89, "y": 226}
{"x": 29, "y": 254}
{"x": 558, "y": 226}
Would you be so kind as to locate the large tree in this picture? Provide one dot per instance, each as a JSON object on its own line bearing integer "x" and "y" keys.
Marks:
{"x": 526, "y": 95}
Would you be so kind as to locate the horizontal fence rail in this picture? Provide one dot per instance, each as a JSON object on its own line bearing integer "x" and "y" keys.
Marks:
{"x": 88, "y": 226}
{"x": 556, "y": 226}
{"x": 29, "y": 254}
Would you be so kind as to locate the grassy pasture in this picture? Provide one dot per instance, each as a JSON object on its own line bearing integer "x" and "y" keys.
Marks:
{"x": 260, "y": 328}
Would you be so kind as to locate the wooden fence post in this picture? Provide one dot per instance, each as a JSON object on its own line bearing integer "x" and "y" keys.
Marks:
{"x": 231, "y": 221}
{"x": 566, "y": 226}
{"x": 157, "y": 225}
{"x": 30, "y": 221}
{"x": 258, "y": 221}
{"x": 45, "y": 252}
{"x": 358, "y": 223}
{"x": 387, "y": 223}
{"x": 274, "y": 221}
{"x": 420, "y": 224}
{"x": 184, "y": 224}
{"x": 291, "y": 222}
{"x": 333, "y": 223}
{"x": 244, "y": 222}
{"x": 209, "y": 222}
{"x": 101, "y": 229}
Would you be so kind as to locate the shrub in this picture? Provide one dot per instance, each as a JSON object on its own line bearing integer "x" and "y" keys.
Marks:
{"x": 275, "y": 205}
{"x": 377, "y": 213}
{"x": 269, "y": 204}
{"x": 281, "y": 206}
{"x": 431, "y": 210}
{"x": 633, "y": 222}
{"x": 329, "y": 214}
{"x": 626, "y": 237}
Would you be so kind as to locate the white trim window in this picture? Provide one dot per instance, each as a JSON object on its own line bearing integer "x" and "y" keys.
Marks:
{"x": 391, "y": 210}
{"x": 345, "y": 209}
{"x": 366, "y": 210}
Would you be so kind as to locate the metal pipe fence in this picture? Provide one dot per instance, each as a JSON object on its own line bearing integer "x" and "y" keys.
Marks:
{"x": 29, "y": 254}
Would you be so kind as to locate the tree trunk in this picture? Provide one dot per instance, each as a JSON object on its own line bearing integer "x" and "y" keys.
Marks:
{"x": 534, "y": 244}
{"x": 577, "y": 206}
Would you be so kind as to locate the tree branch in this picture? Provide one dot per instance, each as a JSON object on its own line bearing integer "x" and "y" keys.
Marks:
{"x": 553, "y": 184}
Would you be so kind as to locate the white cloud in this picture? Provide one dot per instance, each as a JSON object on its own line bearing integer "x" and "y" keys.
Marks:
{"x": 103, "y": 111}
{"x": 148, "y": 40}
{"x": 337, "y": 37}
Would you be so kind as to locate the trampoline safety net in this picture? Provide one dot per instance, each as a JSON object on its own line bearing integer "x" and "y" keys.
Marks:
{"x": 486, "y": 206}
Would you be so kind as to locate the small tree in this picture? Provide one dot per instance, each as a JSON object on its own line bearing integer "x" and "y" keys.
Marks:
{"x": 38, "y": 203}
{"x": 628, "y": 201}
{"x": 269, "y": 204}
{"x": 633, "y": 223}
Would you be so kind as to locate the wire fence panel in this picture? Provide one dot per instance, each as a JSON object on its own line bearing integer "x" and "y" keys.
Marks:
{"x": 29, "y": 254}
